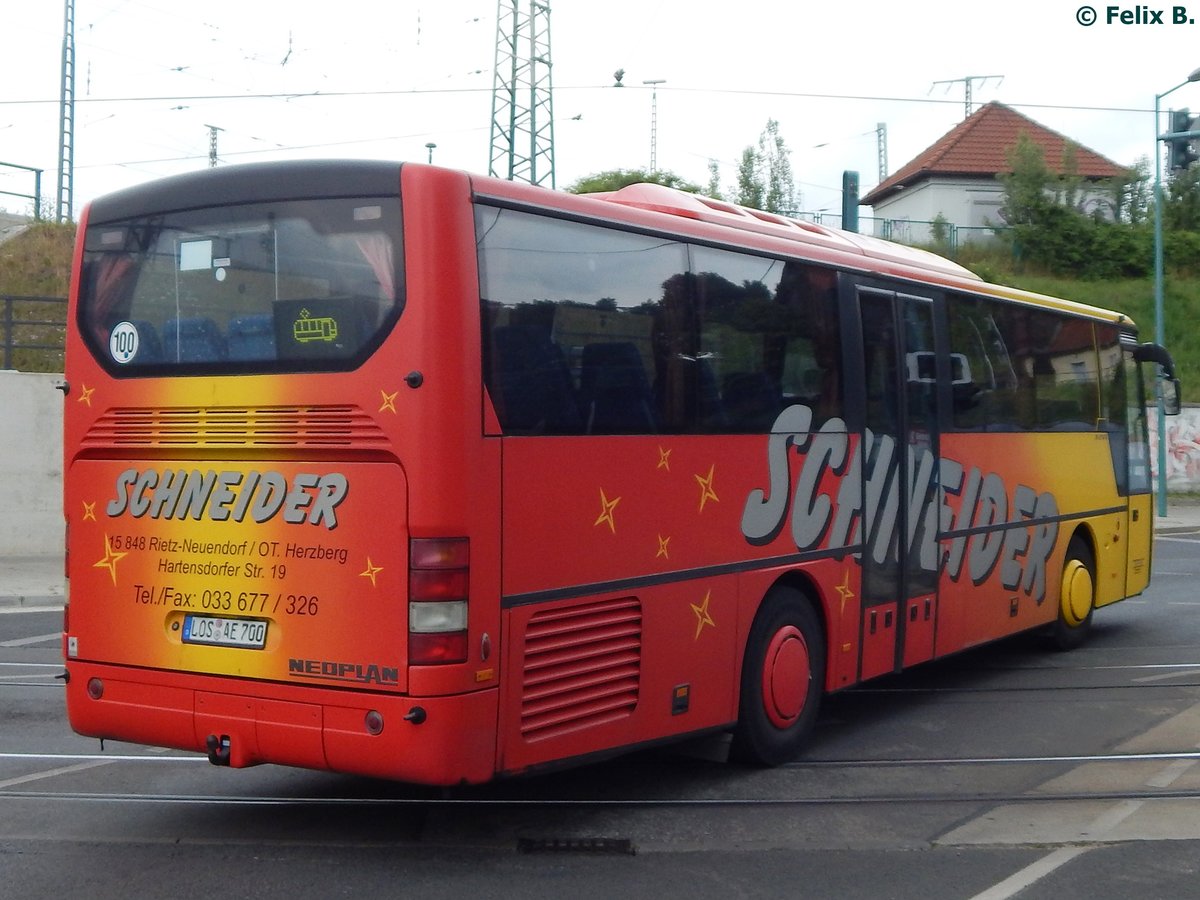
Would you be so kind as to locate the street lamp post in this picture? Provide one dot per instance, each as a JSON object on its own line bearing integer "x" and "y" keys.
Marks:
{"x": 430, "y": 147}
{"x": 1159, "y": 330}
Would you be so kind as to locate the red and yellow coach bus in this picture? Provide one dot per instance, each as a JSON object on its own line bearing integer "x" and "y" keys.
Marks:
{"x": 394, "y": 470}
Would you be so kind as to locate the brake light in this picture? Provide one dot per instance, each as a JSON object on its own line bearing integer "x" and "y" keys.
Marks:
{"x": 437, "y": 649}
{"x": 438, "y": 588}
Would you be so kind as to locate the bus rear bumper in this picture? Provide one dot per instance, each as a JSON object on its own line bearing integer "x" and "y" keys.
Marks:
{"x": 425, "y": 740}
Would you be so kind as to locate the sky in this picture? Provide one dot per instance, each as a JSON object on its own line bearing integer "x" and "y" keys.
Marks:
{"x": 384, "y": 78}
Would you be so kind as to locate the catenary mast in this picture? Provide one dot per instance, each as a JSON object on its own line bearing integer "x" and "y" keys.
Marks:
{"x": 522, "y": 129}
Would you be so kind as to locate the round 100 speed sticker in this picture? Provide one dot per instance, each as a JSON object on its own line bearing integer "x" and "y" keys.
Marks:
{"x": 123, "y": 342}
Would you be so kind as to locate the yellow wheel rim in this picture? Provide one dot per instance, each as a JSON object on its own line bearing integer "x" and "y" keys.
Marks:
{"x": 1076, "y": 600}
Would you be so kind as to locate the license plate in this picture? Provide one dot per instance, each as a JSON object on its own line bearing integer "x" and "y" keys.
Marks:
{"x": 219, "y": 631}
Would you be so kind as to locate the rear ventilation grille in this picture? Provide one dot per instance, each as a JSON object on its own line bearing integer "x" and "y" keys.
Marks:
{"x": 237, "y": 427}
{"x": 583, "y": 667}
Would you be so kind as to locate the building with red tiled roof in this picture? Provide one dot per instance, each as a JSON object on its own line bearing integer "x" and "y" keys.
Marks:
{"x": 956, "y": 176}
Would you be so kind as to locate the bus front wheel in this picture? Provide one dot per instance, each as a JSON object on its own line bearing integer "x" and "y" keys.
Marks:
{"x": 782, "y": 680}
{"x": 1077, "y": 597}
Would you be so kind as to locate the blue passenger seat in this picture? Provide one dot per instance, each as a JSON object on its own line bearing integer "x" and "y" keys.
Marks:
{"x": 532, "y": 386}
{"x": 252, "y": 337}
{"x": 614, "y": 392}
{"x": 193, "y": 340}
{"x": 149, "y": 349}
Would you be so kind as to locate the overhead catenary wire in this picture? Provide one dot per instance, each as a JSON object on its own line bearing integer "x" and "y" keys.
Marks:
{"x": 392, "y": 92}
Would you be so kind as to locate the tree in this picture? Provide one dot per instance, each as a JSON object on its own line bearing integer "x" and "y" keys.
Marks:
{"x": 615, "y": 179}
{"x": 1132, "y": 193}
{"x": 764, "y": 174}
{"x": 714, "y": 181}
{"x": 750, "y": 189}
{"x": 781, "y": 186}
{"x": 1181, "y": 206}
{"x": 940, "y": 230}
{"x": 1049, "y": 230}
{"x": 1069, "y": 186}
{"x": 1027, "y": 188}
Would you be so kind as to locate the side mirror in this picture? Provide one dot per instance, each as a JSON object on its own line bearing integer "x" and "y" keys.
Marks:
{"x": 1170, "y": 395}
{"x": 1156, "y": 354}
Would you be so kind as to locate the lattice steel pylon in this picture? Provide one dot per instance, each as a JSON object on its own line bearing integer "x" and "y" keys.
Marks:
{"x": 522, "y": 132}
{"x": 881, "y": 148}
{"x": 66, "y": 117}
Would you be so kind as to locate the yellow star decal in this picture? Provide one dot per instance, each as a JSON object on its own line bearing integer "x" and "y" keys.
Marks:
{"x": 389, "y": 400}
{"x": 86, "y": 395}
{"x": 662, "y": 547}
{"x": 371, "y": 572}
{"x": 706, "y": 487}
{"x": 110, "y": 560}
{"x": 702, "y": 616}
{"x": 89, "y": 511}
{"x": 843, "y": 589}
{"x": 664, "y": 459}
{"x": 606, "y": 512}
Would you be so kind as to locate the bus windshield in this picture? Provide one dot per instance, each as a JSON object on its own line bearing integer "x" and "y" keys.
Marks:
{"x": 280, "y": 286}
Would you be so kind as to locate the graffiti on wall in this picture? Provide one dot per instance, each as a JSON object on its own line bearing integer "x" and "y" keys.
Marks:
{"x": 1183, "y": 449}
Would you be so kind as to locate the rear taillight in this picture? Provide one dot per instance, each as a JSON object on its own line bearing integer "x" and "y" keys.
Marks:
{"x": 438, "y": 585}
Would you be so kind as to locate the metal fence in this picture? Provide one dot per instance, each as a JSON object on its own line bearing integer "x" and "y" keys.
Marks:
{"x": 945, "y": 237}
{"x": 32, "y": 333}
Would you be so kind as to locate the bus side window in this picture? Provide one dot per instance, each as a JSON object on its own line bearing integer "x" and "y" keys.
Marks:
{"x": 768, "y": 335}
{"x": 1137, "y": 399}
{"x": 1061, "y": 358}
{"x": 989, "y": 401}
{"x": 533, "y": 391}
{"x": 809, "y": 293}
{"x": 614, "y": 391}
{"x": 568, "y": 317}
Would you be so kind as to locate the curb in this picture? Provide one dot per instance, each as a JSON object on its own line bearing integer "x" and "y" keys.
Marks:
{"x": 32, "y": 601}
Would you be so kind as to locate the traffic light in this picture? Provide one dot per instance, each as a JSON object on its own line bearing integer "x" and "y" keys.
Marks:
{"x": 1179, "y": 149}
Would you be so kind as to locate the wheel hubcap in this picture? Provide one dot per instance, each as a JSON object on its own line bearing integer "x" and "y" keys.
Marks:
{"x": 786, "y": 676}
{"x": 1076, "y": 599}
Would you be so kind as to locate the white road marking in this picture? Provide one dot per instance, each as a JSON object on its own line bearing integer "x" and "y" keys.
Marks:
{"x": 38, "y": 639}
{"x": 51, "y": 773}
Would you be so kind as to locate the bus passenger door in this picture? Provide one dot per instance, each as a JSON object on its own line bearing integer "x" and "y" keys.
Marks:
{"x": 1136, "y": 441}
{"x": 900, "y": 480}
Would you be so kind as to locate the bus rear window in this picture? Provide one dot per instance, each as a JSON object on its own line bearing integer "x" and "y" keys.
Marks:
{"x": 286, "y": 286}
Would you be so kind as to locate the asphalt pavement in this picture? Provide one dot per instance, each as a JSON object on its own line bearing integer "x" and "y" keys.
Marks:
{"x": 39, "y": 581}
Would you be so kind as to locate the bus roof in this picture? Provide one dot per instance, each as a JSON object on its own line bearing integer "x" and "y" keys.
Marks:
{"x": 245, "y": 183}
{"x": 681, "y": 203}
{"x": 920, "y": 264}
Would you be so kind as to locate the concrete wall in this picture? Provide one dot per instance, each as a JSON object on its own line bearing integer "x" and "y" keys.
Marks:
{"x": 31, "y": 522}
{"x": 1183, "y": 449}
{"x": 31, "y": 453}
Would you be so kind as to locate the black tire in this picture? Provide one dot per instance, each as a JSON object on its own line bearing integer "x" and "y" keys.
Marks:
{"x": 783, "y": 679}
{"x": 1077, "y": 596}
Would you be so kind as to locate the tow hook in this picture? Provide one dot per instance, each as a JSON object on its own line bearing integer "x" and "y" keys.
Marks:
{"x": 218, "y": 749}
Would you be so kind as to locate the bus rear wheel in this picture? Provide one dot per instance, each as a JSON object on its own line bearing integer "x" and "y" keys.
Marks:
{"x": 782, "y": 680}
{"x": 1077, "y": 596}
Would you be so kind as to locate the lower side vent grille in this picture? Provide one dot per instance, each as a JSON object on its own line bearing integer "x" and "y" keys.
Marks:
{"x": 583, "y": 667}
